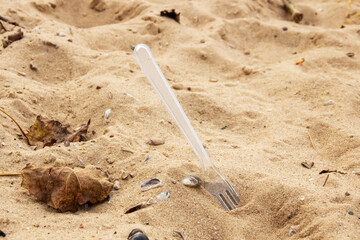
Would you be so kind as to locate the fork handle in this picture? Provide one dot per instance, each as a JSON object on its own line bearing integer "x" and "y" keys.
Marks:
{"x": 158, "y": 81}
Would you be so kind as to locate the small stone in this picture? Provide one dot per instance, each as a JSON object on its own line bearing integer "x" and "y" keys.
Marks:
{"x": 81, "y": 226}
{"x": 307, "y": 165}
{"x": 3, "y": 144}
{"x": 192, "y": 181}
{"x": 116, "y": 185}
{"x": 178, "y": 86}
{"x": 247, "y": 70}
{"x": 124, "y": 175}
{"x": 347, "y": 194}
{"x": 2, "y": 234}
{"x": 107, "y": 115}
{"x": 284, "y": 28}
{"x": 202, "y": 41}
{"x": 163, "y": 196}
{"x": 247, "y": 52}
{"x": 328, "y": 103}
{"x": 350, "y": 54}
{"x": 213, "y": 80}
{"x": 137, "y": 234}
{"x": 292, "y": 231}
{"x": 33, "y": 67}
{"x": 156, "y": 141}
{"x": 351, "y": 213}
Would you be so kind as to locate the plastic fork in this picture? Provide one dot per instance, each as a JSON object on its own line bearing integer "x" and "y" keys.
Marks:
{"x": 214, "y": 181}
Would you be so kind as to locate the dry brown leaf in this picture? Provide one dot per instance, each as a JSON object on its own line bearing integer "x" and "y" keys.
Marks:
{"x": 65, "y": 189}
{"x": 49, "y": 132}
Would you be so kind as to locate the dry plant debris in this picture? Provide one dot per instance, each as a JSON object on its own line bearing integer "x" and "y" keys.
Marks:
{"x": 352, "y": 18}
{"x": 12, "y": 38}
{"x": 45, "y": 133}
{"x": 331, "y": 171}
{"x": 65, "y": 189}
{"x": 49, "y": 132}
{"x": 171, "y": 14}
{"x": 296, "y": 15}
{"x": 300, "y": 61}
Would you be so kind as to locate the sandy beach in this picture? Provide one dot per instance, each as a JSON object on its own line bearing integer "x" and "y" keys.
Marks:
{"x": 263, "y": 93}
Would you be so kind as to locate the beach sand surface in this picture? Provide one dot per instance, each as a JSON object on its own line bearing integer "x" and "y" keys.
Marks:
{"x": 233, "y": 67}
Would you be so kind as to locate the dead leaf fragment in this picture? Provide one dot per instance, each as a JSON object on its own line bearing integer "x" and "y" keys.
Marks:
{"x": 307, "y": 165}
{"x": 65, "y": 189}
{"x": 48, "y": 132}
{"x": 171, "y": 14}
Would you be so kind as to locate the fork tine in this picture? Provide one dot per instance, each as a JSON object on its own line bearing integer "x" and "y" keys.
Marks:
{"x": 222, "y": 202}
{"x": 229, "y": 201}
{"x": 233, "y": 195}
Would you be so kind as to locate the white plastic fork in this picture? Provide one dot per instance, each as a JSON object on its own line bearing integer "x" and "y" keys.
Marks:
{"x": 214, "y": 181}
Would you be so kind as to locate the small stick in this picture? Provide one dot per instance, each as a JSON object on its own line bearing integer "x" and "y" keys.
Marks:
{"x": 327, "y": 177}
{"x": 22, "y": 132}
{"x": 312, "y": 143}
{"x": 348, "y": 9}
{"x": 9, "y": 174}
{"x": 296, "y": 15}
{"x": 10, "y": 22}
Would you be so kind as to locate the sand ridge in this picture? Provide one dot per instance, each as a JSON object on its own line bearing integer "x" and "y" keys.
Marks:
{"x": 269, "y": 110}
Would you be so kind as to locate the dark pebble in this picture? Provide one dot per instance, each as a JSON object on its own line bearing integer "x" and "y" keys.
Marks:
{"x": 2, "y": 234}
{"x": 351, "y": 213}
{"x": 137, "y": 234}
{"x": 284, "y": 28}
{"x": 350, "y": 54}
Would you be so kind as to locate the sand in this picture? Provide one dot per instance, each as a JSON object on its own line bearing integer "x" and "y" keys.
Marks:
{"x": 233, "y": 64}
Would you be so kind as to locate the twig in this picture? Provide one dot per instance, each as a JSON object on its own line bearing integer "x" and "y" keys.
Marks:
{"x": 9, "y": 174}
{"x": 22, "y": 132}
{"x": 327, "y": 177}
{"x": 348, "y": 9}
{"x": 10, "y": 22}
{"x": 312, "y": 142}
{"x": 296, "y": 15}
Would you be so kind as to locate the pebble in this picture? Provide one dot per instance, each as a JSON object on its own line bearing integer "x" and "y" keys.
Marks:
{"x": 351, "y": 213}
{"x": 61, "y": 34}
{"x": 178, "y": 86}
{"x": 163, "y": 196}
{"x": 2, "y": 234}
{"x": 350, "y": 54}
{"x": 116, "y": 185}
{"x": 247, "y": 70}
{"x": 156, "y": 141}
{"x": 213, "y": 80}
{"x": 292, "y": 231}
{"x": 328, "y": 103}
{"x": 347, "y": 194}
{"x": 107, "y": 115}
{"x": 202, "y": 41}
{"x": 137, "y": 234}
{"x": 3, "y": 144}
{"x": 192, "y": 181}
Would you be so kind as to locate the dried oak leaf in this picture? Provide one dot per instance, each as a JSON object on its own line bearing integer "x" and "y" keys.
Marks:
{"x": 49, "y": 132}
{"x": 66, "y": 189}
